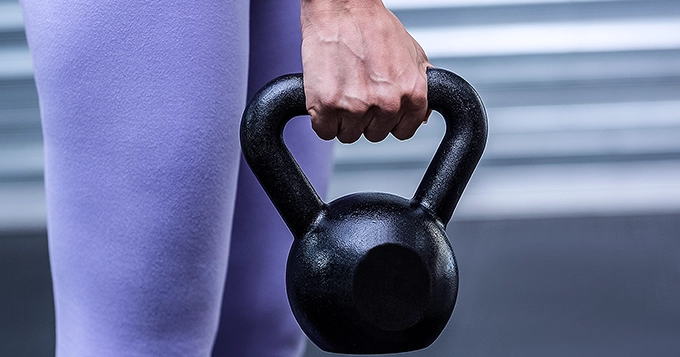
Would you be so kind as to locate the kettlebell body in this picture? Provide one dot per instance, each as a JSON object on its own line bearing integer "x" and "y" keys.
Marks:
{"x": 388, "y": 284}
{"x": 368, "y": 273}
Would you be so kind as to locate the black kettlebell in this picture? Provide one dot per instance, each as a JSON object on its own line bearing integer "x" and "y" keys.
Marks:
{"x": 368, "y": 273}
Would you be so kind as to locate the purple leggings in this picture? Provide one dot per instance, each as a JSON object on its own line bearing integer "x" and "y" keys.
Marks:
{"x": 141, "y": 102}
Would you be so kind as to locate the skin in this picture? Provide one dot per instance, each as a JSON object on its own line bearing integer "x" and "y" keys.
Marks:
{"x": 363, "y": 72}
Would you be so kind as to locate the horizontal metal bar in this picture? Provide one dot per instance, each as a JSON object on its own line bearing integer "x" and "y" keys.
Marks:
{"x": 546, "y": 38}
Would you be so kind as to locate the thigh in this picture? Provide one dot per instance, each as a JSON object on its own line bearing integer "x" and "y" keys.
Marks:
{"x": 140, "y": 102}
{"x": 256, "y": 318}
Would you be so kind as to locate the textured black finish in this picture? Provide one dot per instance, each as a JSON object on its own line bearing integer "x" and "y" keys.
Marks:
{"x": 368, "y": 272}
{"x": 462, "y": 145}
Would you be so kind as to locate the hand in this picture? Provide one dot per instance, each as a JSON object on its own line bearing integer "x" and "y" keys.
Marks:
{"x": 363, "y": 72}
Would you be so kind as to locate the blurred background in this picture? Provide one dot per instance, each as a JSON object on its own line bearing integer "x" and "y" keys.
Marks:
{"x": 568, "y": 235}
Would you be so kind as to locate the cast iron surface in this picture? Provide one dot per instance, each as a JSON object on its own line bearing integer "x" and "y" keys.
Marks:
{"x": 368, "y": 272}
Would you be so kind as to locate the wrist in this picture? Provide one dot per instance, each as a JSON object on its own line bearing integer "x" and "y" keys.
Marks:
{"x": 339, "y": 5}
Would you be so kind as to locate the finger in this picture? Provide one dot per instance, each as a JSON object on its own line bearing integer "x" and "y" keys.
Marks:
{"x": 406, "y": 127}
{"x": 410, "y": 122}
{"x": 415, "y": 113}
{"x": 383, "y": 120}
{"x": 351, "y": 127}
{"x": 325, "y": 126}
{"x": 377, "y": 130}
{"x": 427, "y": 116}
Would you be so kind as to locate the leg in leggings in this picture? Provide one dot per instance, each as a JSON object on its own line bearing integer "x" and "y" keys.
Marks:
{"x": 256, "y": 318}
{"x": 140, "y": 103}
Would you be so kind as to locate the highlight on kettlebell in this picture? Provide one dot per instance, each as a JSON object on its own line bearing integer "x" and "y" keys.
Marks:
{"x": 369, "y": 272}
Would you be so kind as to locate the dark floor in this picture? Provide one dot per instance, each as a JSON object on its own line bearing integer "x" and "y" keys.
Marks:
{"x": 26, "y": 311}
{"x": 607, "y": 286}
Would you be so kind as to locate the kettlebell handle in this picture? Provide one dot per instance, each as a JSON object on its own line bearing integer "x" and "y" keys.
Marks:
{"x": 288, "y": 187}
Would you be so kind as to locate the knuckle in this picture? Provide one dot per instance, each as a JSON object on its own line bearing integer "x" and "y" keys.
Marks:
{"x": 420, "y": 99}
{"x": 313, "y": 113}
{"x": 415, "y": 100}
{"x": 390, "y": 107}
{"x": 327, "y": 100}
{"x": 357, "y": 108}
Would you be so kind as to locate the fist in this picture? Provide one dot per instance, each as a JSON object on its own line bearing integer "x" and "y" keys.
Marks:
{"x": 363, "y": 72}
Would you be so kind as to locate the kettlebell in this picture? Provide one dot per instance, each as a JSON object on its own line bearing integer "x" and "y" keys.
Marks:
{"x": 368, "y": 273}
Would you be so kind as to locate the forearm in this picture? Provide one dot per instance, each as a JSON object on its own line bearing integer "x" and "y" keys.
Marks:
{"x": 337, "y": 5}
